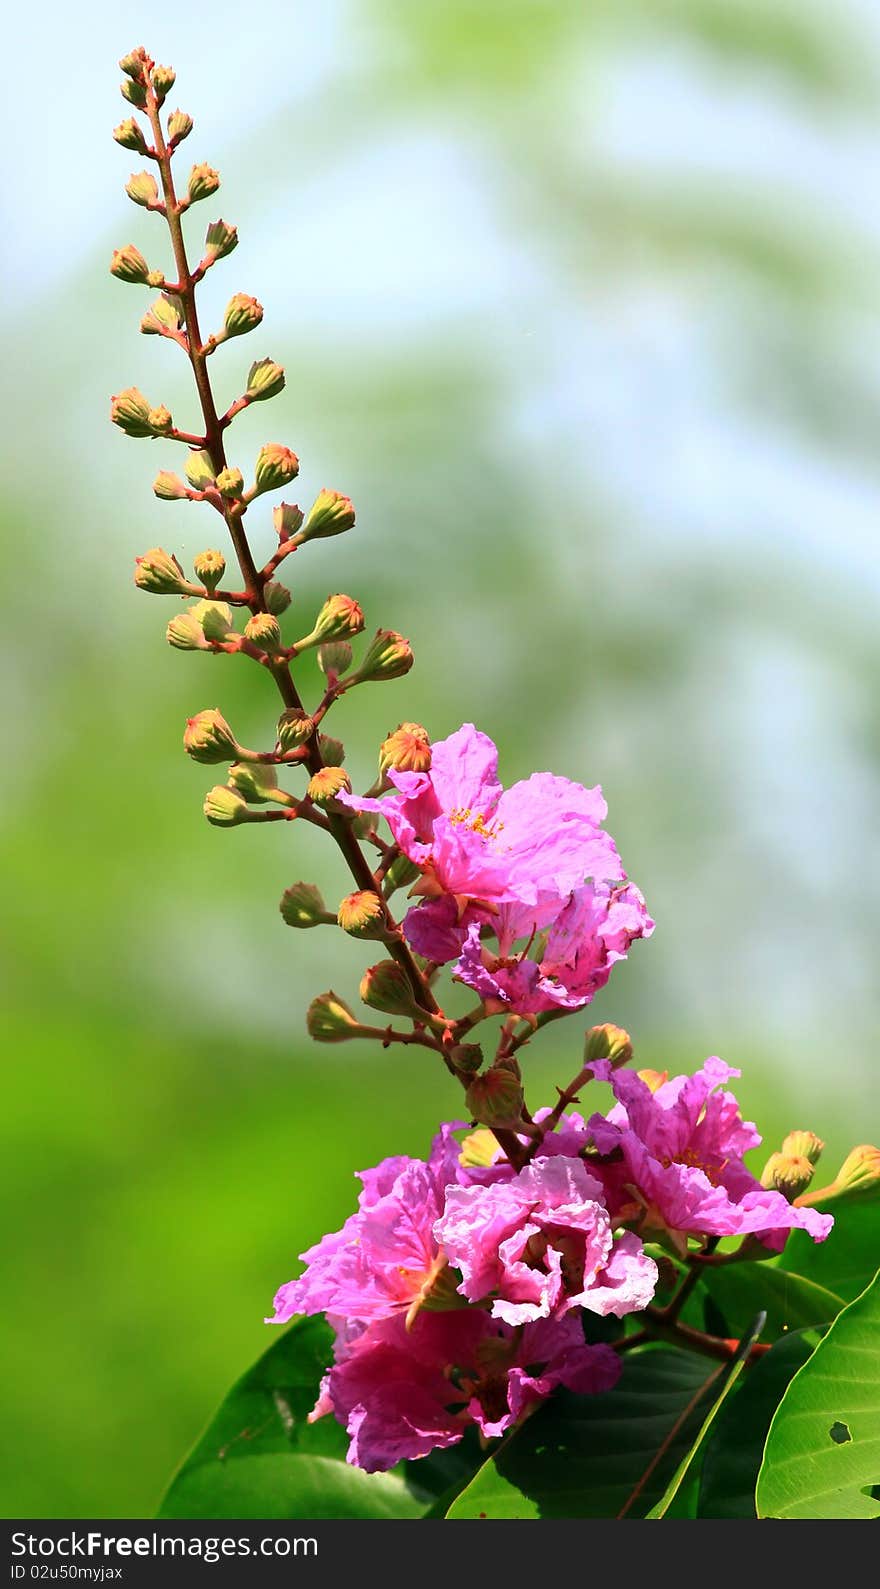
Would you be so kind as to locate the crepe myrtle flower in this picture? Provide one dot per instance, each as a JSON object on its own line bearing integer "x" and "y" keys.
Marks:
{"x": 479, "y": 846}
{"x": 402, "y": 1392}
{"x": 680, "y": 1166}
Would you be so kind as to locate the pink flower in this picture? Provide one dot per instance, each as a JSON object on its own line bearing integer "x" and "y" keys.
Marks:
{"x": 479, "y": 845}
{"x": 542, "y": 1243}
{"x": 401, "y": 1393}
{"x": 589, "y": 935}
{"x": 682, "y": 1148}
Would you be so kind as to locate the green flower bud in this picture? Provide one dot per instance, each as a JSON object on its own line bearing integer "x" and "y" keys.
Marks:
{"x": 400, "y": 874}
{"x": 467, "y": 1058}
{"x": 180, "y": 125}
{"x": 302, "y": 905}
{"x": 408, "y": 749}
{"x": 276, "y": 596}
{"x": 479, "y": 1150}
{"x": 142, "y": 189}
{"x": 388, "y": 657}
{"x": 329, "y": 1019}
{"x": 135, "y": 93}
{"x": 208, "y": 738}
{"x": 128, "y": 264}
{"x": 220, "y": 240}
{"x": 362, "y": 914}
{"x": 860, "y": 1170}
{"x": 334, "y": 658}
{"x": 162, "y": 317}
{"x": 332, "y": 750}
{"x": 230, "y": 483}
{"x": 155, "y": 279}
{"x": 243, "y": 314}
{"x": 209, "y": 568}
{"x": 185, "y": 633}
{"x": 164, "y": 78}
{"x": 265, "y": 379}
{"x": 803, "y": 1145}
{"x": 386, "y": 987}
{"x": 133, "y": 414}
{"x": 199, "y": 470}
{"x": 263, "y": 630}
{"x": 257, "y": 782}
{"x": 214, "y": 617}
{"x": 225, "y": 807}
{"x": 496, "y": 1097}
{"x": 169, "y": 487}
{"x": 790, "y": 1176}
{"x": 324, "y": 786}
{"x": 340, "y": 616}
{"x": 159, "y": 420}
{"x": 134, "y": 63}
{"x": 330, "y": 514}
{"x": 608, "y": 1042}
{"x": 276, "y": 466}
{"x": 160, "y": 574}
{"x": 203, "y": 181}
{"x": 130, "y": 135}
{"x": 295, "y": 728}
{"x": 287, "y": 520}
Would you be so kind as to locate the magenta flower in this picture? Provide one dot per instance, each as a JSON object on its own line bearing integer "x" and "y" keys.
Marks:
{"x": 401, "y": 1393}
{"x": 682, "y": 1148}
{"x": 589, "y": 935}
{"x": 542, "y": 1243}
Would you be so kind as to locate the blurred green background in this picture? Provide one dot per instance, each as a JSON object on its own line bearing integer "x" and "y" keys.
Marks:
{"x": 578, "y": 300}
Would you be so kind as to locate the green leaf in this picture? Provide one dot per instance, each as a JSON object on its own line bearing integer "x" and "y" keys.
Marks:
{"x": 847, "y": 1260}
{"x": 260, "y": 1458}
{"x": 790, "y": 1301}
{"x": 736, "y": 1446}
{"x": 822, "y": 1457}
{"x": 730, "y": 1378}
{"x": 589, "y": 1456}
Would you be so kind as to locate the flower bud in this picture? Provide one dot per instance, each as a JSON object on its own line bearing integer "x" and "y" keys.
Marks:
{"x": 362, "y": 915}
{"x": 135, "y": 93}
{"x": 340, "y": 616}
{"x": 265, "y": 379}
{"x": 295, "y": 728}
{"x": 276, "y": 465}
{"x": 225, "y": 807}
{"x": 302, "y": 905}
{"x": 220, "y": 240}
{"x": 276, "y": 596}
{"x": 608, "y": 1042}
{"x": 287, "y": 519}
{"x": 330, "y": 514}
{"x": 163, "y": 78}
{"x": 388, "y": 657}
{"x": 160, "y": 574}
{"x": 130, "y": 135}
{"x": 209, "y": 568}
{"x": 408, "y": 749}
{"x": 169, "y": 487}
{"x": 133, "y": 64}
{"x": 803, "y": 1145}
{"x": 257, "y": 782}
{"x": 230, "y": 482}
{"x": 400, "y": 874}
{"x": 214, "y": 618}
{"x": 263, "y": 630}
{"x": 243, "y": 314}
{"x": 162, "y": 317}
{"x": 386, "y": 987}
{"x": 860, "y": 1170}
{"x": 131, "y": 412}
{"x": 479, "y": 1150}
{"x": 142, "y": 189}
{"x": 496, "y": 1097}
{"x": 325, "y": 785}
{"x": 790, "y": 1176}
{"x": 334, "y": 658}
{"x": 128, "y": 264}
{"x": 159, "y": 420}
{"x": 329, "y": 1019}
{"x": 199, "y": 469}
{"x": 332, "y": 750}
{"x": 180, "y": 125}
{"x": 203, "y": 181}
{"x": 467, "y": 1058}
{"x": 208, "y": 738}
{"x": 185, "y": 633}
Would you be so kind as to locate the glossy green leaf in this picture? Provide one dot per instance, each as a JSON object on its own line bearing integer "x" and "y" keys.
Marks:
{"x": 595, "y": 1456}
{"x": 260, "y": 1458}
{"x": 736, "y": 1445}
{"x": 822, "y": 1457}
{"x": 790, "y": 1301}
{"x": 847, "y": 1260}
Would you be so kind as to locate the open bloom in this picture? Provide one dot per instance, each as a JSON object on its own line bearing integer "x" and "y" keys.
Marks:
{"x": 401, "y": 1393}
{"x": 682, "y": 1149}
{"x": 542, "y": 1243}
